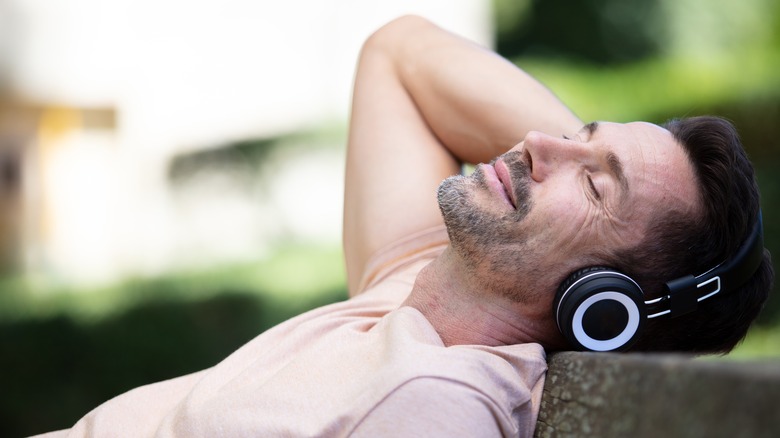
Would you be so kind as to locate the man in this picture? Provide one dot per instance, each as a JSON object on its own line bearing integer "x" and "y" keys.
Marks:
{"x": 451, "y": 301}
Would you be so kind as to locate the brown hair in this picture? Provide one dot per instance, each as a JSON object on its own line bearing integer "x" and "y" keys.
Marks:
{"x": 678, "y": 244}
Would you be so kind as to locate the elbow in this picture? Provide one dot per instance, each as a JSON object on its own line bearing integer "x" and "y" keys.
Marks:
{"x": 392, "y": 37}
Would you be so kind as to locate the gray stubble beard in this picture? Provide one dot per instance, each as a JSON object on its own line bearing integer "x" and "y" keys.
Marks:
{"x": 487, "y": 242}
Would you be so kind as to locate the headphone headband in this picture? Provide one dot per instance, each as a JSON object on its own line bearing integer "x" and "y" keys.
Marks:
{"x": 686, "y": 292}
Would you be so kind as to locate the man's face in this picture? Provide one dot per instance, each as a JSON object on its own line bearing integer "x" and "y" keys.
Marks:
{"x": 554, "y": 204}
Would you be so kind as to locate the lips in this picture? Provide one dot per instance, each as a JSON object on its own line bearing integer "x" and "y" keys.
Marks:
{"x": 503, "y": 176}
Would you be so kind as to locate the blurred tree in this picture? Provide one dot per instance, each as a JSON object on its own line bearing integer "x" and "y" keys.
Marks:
{"x": 621, "y": 31}
{"x": 598, "y": 31}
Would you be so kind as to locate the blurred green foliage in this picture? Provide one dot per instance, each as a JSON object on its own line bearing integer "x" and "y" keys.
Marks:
{"x": 599, "y": 31}
{"x": 64, "y": 352}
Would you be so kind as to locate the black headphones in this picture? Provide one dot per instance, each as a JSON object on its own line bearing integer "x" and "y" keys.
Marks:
{"x": 601, "y": 309}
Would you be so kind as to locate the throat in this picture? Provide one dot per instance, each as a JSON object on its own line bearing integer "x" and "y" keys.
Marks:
{"x": 463, "y": 314}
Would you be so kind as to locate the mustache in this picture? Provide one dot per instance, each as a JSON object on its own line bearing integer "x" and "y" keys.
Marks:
{"x": 518, "y": 169}
{"x": 519, "y": 172}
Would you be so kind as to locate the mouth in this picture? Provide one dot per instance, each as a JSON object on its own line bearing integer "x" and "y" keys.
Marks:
{"x": 489, "y": 176}
{"x": 506, "y": 181}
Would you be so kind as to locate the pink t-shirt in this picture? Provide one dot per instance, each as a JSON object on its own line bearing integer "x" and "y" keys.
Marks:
{"x": 363, "y": 367}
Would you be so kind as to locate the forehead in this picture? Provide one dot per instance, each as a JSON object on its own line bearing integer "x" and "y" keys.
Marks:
{"x": 657, "y": 168}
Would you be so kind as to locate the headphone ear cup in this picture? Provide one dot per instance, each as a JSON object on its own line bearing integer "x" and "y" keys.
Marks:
{"x": 564, "y": 286}
{"x": 599, "y": 309}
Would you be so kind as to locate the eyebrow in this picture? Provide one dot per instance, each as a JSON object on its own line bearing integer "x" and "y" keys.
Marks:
{"x": 613, "y": 161}
{"x": 591, "y": 127}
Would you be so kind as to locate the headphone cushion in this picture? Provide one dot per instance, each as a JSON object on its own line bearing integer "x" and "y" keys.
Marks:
{"x": 576, "y": 292}
{"x": 576, "y": 275}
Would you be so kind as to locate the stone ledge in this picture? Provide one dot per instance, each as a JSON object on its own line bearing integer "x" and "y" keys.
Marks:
{"x": 658, "y": 395}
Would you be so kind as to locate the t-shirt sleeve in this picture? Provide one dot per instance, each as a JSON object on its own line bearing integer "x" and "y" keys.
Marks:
{"x": 434, "y": 407}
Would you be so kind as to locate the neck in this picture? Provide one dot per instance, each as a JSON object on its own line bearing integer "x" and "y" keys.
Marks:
{"x": 464, "y": 313}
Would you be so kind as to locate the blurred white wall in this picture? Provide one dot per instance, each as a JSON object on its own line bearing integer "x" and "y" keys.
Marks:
{"x": 164, "y": 77}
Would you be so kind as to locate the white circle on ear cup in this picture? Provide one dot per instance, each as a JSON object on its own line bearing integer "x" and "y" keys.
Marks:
{"x": 609, "y": 344}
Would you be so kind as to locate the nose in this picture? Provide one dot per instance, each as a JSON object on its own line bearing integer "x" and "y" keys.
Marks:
{"x": 547, "y": 154}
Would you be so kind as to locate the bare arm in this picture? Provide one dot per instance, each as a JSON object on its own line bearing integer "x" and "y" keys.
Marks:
{"x": 425, "y": 101}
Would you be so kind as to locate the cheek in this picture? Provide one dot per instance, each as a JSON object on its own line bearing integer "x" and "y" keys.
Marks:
{"x": 555, "y": 207}
{"x": 558, "y": 222}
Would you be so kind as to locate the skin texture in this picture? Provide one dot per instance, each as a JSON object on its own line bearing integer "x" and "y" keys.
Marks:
{"x": 558, "y": 196}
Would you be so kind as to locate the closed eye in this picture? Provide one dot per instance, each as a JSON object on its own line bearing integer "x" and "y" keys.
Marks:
{"x": 596, "y": 193}
{"x": 593, "y": 188}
